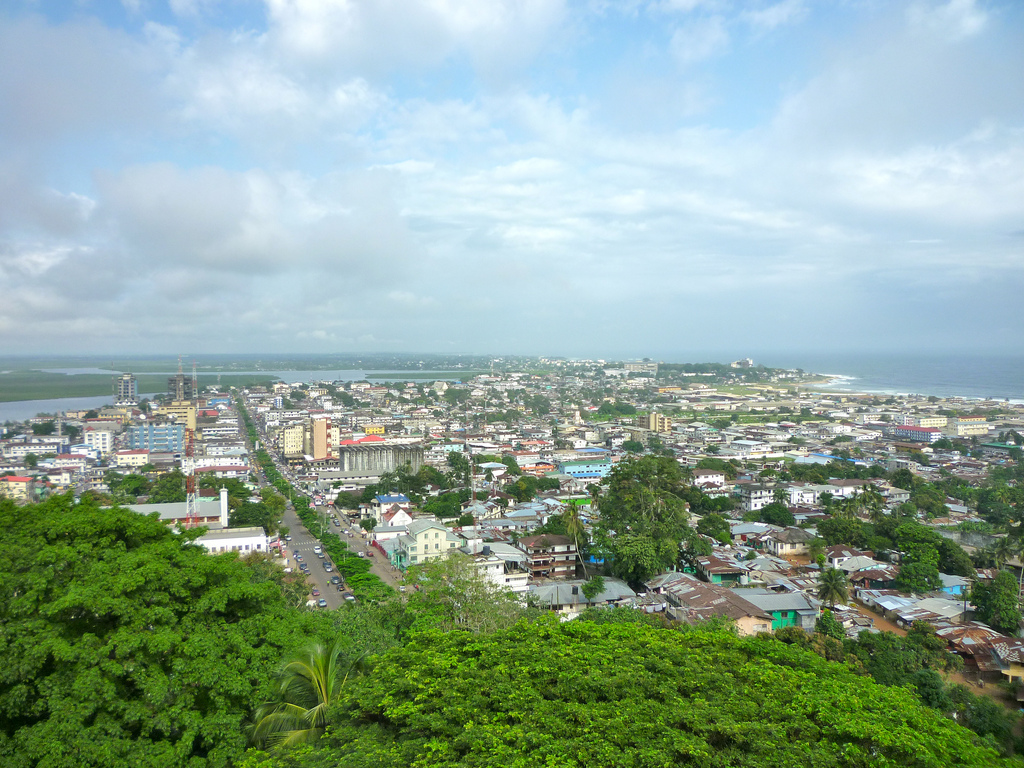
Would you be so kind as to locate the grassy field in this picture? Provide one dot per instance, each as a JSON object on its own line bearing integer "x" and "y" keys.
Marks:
{"x": 37, "y": 385}
{"x": 416, "y": 376}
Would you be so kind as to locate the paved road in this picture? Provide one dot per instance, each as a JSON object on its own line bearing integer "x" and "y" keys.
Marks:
{"x": 304, "y": 541}
{"x": 358, "y": 542}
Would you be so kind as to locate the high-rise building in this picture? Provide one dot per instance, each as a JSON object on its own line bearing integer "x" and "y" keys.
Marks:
{"x": 157, "y": 437}
{"x": 126, "y": 390}
{"x": 180, "y": 387}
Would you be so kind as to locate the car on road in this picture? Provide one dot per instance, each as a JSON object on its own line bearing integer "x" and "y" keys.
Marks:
{"x": 298, "y": 557}
{"x": 328, "y": 567}
{"x": 335, "y": 579}
{"x": 288, "y": 538}
{"x": 337, "y": 524}
{"x": 295, "y": 552}
{"x": 318, "y": 549}
{"x": 322, "y": 603}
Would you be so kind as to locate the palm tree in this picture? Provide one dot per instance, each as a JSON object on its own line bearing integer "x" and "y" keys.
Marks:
{"x": 874, "y": 502}
{"x": 1003, "y": 550}
{"x": 574, "y": 527}
{"x": 307, "y": 686}
{"x": 833, "y": 587}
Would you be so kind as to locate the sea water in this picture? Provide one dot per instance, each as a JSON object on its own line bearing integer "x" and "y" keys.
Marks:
{"x": 946, "y": 375}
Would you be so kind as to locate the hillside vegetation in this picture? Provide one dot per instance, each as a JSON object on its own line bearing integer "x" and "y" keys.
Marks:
{"x": 125, "y": 644}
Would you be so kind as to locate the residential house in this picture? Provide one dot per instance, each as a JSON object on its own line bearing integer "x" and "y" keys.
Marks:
{"x": 788, "y": 542}
{"x": 840, "y": 553}
{"x": 386, "y": 503}
{"x": 755, "y": 496}
{"x": 549, "y": 555}
{"x": 426, "y": 540}
{"x": 787, "y": 609}
{"x": 715, "y": 570}
{"x": 567, "y": 598}
{"x": 694, "y": 601}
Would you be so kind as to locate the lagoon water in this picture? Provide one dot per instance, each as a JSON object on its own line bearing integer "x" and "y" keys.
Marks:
{"x": 20, "y": 410}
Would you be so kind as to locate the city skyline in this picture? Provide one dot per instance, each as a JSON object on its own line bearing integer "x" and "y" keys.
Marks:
{"x": 580, "y": 179}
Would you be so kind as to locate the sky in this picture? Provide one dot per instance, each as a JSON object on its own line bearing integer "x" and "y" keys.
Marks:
{"x": 665, "y": 178}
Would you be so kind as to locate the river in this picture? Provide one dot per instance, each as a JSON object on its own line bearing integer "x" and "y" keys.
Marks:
{"x": 19, "y": 410}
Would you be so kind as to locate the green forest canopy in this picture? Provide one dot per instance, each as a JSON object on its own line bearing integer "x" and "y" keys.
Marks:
{"x": 612, "y": 695}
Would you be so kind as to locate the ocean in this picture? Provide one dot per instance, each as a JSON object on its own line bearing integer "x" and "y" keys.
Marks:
{"x": 952, "y": 375}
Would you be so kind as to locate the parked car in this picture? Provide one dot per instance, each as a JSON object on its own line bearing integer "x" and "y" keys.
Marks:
{"x": 328, "y": 567}
{"x": 315, "y": 592}
{"x": 335, "y": 579}
{"x": 350, "y": 598}
{"x": 322, "y": 603}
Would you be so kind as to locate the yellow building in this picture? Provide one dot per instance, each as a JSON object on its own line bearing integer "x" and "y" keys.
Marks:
{"x": 291, "y": 440}
{"x": 17, "y": 488}
{"x": 184, "y": 412}
{"x": 656, "y": 422}
{"x": 428, "y": 540}
{"x": 135, "y": 458}
{"x": 373, "y": 429}
{"x": 964, "y": 426}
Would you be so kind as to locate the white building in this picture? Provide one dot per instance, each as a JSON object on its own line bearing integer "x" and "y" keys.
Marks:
{"x": 241, "y": 540}
{"x": 100, "y": 439}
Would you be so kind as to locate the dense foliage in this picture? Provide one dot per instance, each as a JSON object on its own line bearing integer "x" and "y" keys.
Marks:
{"x": 626, "y": 694}
{"x": 915, "y": 661}
{"x": 643, "y": 523}
{"x": 125, "y": 644}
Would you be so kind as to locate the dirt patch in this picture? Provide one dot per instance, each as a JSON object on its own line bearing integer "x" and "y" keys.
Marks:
{"x": 881, "y": 623}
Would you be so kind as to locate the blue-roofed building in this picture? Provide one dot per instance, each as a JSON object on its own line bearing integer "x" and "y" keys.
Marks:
{"x": 394, "y": 498}
{"x": 387, "y": 503}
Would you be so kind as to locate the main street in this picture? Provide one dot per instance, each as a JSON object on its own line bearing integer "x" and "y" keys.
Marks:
{"x": 303, "y": 540}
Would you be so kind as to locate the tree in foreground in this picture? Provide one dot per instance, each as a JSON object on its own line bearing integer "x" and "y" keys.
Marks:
{"x": 126, "y": 644}
{"x": 605, "y": 695}
{"x": 306, "y": 686}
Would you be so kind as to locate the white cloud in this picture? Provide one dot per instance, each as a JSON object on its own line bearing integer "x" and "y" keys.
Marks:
{"x": 776, "y": 15}
{"x": 955, "y": 19}
{"x": 699, "y": 40}
{"x": 382, "y": 35}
